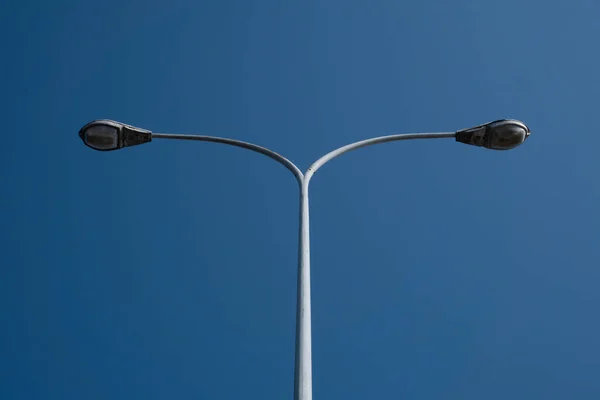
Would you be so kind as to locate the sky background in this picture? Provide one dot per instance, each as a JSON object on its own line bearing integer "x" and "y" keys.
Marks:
{"x": 168, "y": 271}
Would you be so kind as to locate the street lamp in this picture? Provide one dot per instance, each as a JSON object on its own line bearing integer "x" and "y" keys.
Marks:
{"x": 504, "y": 134}
{"x": 106, "y": 135}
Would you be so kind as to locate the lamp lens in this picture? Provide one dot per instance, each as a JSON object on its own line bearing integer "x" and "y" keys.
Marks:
{"x": 507, "y": 136}
{"x": 102, "y": 137}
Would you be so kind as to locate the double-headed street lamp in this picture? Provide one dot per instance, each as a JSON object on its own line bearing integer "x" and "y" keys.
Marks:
{"x": 106, "y": 135}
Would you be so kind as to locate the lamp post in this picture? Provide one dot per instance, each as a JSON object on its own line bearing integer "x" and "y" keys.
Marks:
{"x": 107, "y": 135}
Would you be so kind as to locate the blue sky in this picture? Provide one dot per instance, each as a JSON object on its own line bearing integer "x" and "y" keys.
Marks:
{"x": 168, "y": 270}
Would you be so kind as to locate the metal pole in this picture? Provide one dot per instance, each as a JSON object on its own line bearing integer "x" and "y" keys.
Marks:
{"x": 303, "y": 367}
{"x": 303, "y": 361}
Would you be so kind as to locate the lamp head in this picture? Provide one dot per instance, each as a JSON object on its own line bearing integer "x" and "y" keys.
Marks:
{"x": 107, "y": 135}
{"x": 503, "y": 134}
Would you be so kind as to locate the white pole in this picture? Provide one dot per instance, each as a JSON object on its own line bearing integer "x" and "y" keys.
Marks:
{"x": 303, "y": 367}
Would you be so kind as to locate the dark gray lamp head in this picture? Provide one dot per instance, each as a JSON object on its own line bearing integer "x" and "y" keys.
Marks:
{"x": 504, "y": 134}
{"x": 106, "y": 135}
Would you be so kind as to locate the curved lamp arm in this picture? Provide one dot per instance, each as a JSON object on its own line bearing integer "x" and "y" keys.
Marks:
{"x": 238, "y": 143}
{"x": 368, "y": 142}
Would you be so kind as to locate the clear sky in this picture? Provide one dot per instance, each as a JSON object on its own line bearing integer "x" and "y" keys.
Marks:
{"x": 168, "y": 271}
